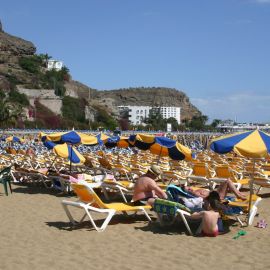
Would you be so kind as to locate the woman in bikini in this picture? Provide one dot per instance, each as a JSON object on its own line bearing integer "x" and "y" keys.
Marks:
{"x": 222, "y": 190}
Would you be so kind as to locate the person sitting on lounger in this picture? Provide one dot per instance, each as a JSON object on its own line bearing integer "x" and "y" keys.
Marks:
{"x": 146, "y": 188}
{"x": 210, "y": 216}
{"x": 30, "y": 152}
{"x": 222, "y": 190}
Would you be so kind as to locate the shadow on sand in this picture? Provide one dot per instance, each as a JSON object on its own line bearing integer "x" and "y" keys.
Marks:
{"x": 178, "y": 227}
{"x": 36, "y": 189}
{"x": 86, "y": 224}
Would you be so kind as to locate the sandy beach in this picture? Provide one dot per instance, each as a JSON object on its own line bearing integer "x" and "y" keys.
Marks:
{"x": 36, "y": 234}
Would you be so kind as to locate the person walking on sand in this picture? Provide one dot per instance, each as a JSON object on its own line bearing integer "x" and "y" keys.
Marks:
{"x": 146, "y": 188}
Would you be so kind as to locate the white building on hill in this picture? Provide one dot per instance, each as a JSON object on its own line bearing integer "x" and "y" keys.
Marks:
{"x": 137, "y": 114}
{"x": 54, "y": 64}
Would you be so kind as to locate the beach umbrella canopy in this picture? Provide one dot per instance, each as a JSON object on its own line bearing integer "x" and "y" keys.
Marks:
{"x": 14, "y": 139}
{"x": 70, "y": 137}
{"x": 50, "y": 145}
{"x": 98, "y": 139}
{"x": 101, "y": 138}
{"x": 161, "y": 146}
{"x": 167, "y": 147}
{"x": 65, "y": 151}
{"x": 142, "y": 141}
{"x": 42, "y": 136}
{"x": 117, "y": 141}
{"x": 252, "y": 144}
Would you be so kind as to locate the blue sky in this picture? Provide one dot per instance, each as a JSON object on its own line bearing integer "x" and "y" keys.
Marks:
{"x": 216, "y": 51}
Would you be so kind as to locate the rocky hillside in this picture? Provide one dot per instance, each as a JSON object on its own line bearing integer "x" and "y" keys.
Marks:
{"x": 13, "y": 76}
{"x": 151, "y": 96}
{"x": 11, "y": 49}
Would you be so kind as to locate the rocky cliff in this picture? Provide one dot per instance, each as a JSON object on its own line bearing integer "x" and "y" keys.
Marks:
{"x": 150, "y": 96}
{"x": 13, "y": 48}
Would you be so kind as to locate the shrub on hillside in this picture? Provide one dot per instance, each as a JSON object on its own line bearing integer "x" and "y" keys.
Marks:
{"x": 104, "y": 119}
{"x": 55, "y": 79}
{"x": 15, "y": 96}
{"x": 31, "y": 63}
{"x": 73, "y": 109}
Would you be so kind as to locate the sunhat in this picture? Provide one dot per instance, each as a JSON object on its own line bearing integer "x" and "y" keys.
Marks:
{"x": 154, "y": 169}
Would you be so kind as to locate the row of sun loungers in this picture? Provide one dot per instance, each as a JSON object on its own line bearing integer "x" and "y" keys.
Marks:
{"x": 114, "y": 174}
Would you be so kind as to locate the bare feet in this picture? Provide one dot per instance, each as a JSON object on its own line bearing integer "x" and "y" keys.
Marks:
{"x": 241, "y": 196}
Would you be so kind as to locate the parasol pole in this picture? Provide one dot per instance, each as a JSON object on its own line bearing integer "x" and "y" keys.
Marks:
{"x": 70, "y": 158}
{"x": 251, "y": 190}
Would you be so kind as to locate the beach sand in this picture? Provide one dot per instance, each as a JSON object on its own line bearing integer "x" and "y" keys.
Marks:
{"x": 35, "y": 234}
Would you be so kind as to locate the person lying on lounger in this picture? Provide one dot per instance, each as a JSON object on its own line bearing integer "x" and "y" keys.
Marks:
{"x": 222, "y": 190}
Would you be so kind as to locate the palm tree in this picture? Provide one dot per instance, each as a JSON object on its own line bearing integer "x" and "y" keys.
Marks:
{"x": 45, "y": 58}
{"x": 215, "y": 123}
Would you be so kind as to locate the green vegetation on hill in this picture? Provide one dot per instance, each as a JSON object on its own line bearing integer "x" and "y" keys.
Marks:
{"x": 11, "y": 105}
{"x": 73, "y": 109}
{"x": 48, "y": 79}
{"x": 103, "y": 119}
{"x": 31, "y": 64}
{"x": 15, "y": 96}
{"x": 45, "y": 118}
{"x": 13, "y": 80}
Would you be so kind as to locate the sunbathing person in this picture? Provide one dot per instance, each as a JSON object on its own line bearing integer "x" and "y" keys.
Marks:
{"x": 146, "y": 188}
{"x": 210, "y": 216}
{"x": 222, "y": 190}
{"x": 30, "y": 152}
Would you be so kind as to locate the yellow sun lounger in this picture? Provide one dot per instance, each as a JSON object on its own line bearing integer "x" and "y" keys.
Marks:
{"x": 90, "y": 202}
{"x": 255, "y": 200}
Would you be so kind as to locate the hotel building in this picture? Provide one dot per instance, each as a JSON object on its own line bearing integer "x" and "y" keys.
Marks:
{"x": 137, "y": 114}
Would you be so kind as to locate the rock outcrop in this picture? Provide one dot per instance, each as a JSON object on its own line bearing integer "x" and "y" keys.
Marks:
{"x": 152, "y": 96}
{"x": 11, "y": 49}
{"x": 15, "y": 46}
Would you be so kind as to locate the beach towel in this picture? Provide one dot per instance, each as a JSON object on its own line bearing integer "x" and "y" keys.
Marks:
{"x": 168, "y": 207}
{"x": 196, "y": 204}
{"x": 175, "y": 192}
{"x": 236, "y": 210}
